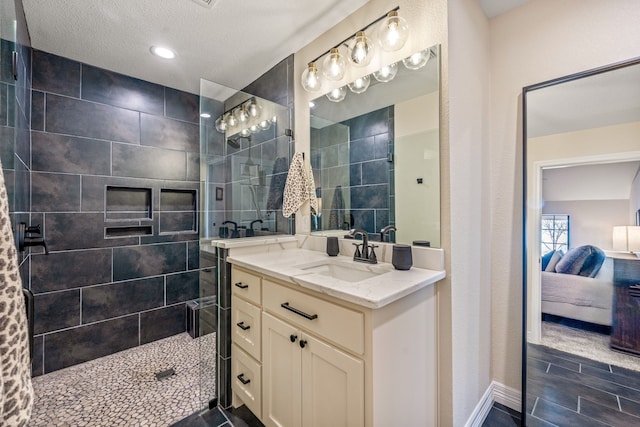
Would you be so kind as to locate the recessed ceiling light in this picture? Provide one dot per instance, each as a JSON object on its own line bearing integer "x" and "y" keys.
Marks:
{"x": 205, "y": 115}
{"x": 163, "y": 52}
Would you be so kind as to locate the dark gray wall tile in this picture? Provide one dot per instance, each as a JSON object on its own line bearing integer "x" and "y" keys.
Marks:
{"x": 77, "y": 345}
{"x": 142, "y": 261}
{"x": 175, "y": 222}
{"x": 364, "y": 219}
{"x": 116, "y": 89}
{"x": 162, "y": 323}
{"x": 53, "y": 73}
{"x": 177, "y": 200}
{"x": 37, "y": 364}
{"x": 7, "y": 137}
{"x": 57, "y": 310}
{"x": 375, "y": 172}
{"x": 182, "y": 286}
{"x": 370, "y": 196}
{"x": 370, "y": 124}
{"x": 23, "y": 146}
{"x": 195, "y": 261}
{"x": 162, "y": 132}
{"x": 84, "y": 118}
{"x": 146, "y": 162}
{"x": 6, "y": 70}
{"x": 65, "y": 270}
{"x": 52, "y": 192}
{"x": 37, "y": 110}
{"x": 193, "y": 167}
{"x": 22, "y": 191}
{"x": 362, "y": 150}
{"x": 65, "y": 231}
{"x": 63, "y": 153}
{"x": 117, "y": 299}
{"x": 94, "y": 190}
{"x": 182, "y": 105}
{"x": 4, "y": 104}
{"x": 272, "y": 85}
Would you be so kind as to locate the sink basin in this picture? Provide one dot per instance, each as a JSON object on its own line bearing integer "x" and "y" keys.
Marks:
{"x": 347, "y": 271}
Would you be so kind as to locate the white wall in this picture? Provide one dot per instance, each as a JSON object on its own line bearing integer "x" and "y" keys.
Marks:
{"x": 538, "y": 41}
{"x": 591, "y": 221}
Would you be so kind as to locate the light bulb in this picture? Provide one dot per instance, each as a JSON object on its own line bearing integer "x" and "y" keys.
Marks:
{"x": 254, "y": 128}
{"x": 311, "y": 80}
{"x": 253, "y": 108}
{"x": 334, "y": 65}
{"x": 386, "y": 73}
{"x": 361, "y": 50}
{"x": 360, "y": 84}
{"x": 265, "y": 124}
{"x": 241, "y": 114}
{"x": 337, "y": 94}
{"x": 244, "y": 133}
{"x": 231, "y": 121}
{"x": 417, "y": 60}
{"x": 393, "y": 32}
{"x": 220, "y": 124}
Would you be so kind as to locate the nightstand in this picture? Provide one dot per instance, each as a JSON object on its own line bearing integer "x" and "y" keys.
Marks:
{"x": 625, "y": 324}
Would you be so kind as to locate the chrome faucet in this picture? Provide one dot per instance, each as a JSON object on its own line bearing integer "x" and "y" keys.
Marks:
{"x": 386, "y": 230}
{"x": 367, "y": 254}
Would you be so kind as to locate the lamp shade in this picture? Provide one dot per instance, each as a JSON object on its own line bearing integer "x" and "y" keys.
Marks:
{"x": 626, "y": 238}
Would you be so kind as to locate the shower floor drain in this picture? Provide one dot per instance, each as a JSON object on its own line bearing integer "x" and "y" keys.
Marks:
{"x": 162, "y": 375}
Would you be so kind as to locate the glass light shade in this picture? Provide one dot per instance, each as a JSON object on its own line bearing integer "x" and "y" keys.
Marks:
{"x": 241, "y": 114}
{"x": 265, "y": 124}
{"x": 360, "y": 84}
{"x": 252, "y": 108}
{"x": 417, "y": 60}
{"x": 334, "y": 65}
{"x": 393, "y": 32}
{"x": 386, "y": 73}
{"x": 254, "y": 128}
{"x": 337, "y": 94}
{"x": 311, "y": 80}
{"x": 231, "y": 121}
{"x": 244, "y": 133}
{"x": 360, "y": 50}
{"x": 220, "y": 124}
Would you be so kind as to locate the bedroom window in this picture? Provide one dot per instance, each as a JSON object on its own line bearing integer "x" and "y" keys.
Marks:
{"x": 554, "y": 233}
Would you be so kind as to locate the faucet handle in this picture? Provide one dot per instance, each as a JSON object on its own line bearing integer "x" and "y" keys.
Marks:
{"x": 372, "y": 255}
{"x": 357, "y": 253}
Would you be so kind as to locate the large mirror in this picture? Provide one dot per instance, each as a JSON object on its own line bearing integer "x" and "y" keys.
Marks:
{"x": 582, "y": 236}
{"x": 375, "y": 154}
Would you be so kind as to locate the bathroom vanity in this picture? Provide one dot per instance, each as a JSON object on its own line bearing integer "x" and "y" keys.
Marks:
{"x": 319, "y": 340}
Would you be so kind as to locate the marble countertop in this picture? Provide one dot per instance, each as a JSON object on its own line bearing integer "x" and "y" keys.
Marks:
{"x": 387, "y": 286}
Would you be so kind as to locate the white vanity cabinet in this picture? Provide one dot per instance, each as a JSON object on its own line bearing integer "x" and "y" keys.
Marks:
{"x": 325, "y": 361}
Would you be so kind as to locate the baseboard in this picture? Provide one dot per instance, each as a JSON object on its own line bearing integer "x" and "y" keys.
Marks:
{"x": 496, "y": 392}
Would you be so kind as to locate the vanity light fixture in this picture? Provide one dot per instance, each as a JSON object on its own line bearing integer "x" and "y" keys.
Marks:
{"x": 360, "y": 48}
{"x": 417, "y": 60}
{"x": 393, "y": 32}
{"x": 334, "y": 65}
{"x": 386, "y": 73}
{"x": 360, "y": 84}
{"x": 220, "y": 124}
{"x": 311, "y": 81}
{"x": 163, "y": 52}
{"x": 337, "y": 94}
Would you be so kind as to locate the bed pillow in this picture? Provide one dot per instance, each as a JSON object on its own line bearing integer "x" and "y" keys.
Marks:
{"x": 593, "y": 262}
{"x": 555, "y": 258}
{"x": 546, "y": 258}
{"x": 573, "y": 260}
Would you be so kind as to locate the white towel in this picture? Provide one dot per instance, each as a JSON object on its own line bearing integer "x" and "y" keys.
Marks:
{"x": 16, "y": 393}
{"x": 299, "y": 188}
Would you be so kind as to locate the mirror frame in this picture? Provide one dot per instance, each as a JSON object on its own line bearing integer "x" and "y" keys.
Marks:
{"x": 525, "y": 267}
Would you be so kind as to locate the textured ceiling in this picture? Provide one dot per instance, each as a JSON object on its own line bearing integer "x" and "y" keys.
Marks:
{"x": 232, "y": 43}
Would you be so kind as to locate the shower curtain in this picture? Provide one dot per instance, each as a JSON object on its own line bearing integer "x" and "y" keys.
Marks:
{"x": 16, "y": 393}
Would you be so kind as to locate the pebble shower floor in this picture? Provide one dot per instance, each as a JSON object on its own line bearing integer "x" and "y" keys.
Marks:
{"x": 122, "y": 389}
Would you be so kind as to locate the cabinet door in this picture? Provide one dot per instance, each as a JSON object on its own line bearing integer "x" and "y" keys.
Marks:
{"x": 332, "y": 386}
{"x": 281, "y": 404}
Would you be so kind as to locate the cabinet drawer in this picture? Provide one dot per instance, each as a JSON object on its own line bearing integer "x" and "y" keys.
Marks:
{"x": 341, "y": 325}
{"x": 245, "y": 285}
{"x": 246, "y": 326}
{"x": 246, "y": 376}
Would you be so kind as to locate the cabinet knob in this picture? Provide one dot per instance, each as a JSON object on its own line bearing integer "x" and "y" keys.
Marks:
{"x": 303, "y": 343}
{"x": 293, "y": 338}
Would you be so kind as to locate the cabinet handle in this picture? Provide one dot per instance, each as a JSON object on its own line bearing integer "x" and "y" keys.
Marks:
{"x": 286, "y": 306}
{"x": 241, "y": 285}
{"x": 303, "y": 343}
{"x": 293, "y": 338}
{"x": 242, "y": 379}
{"x": 634, "y": 291}
{"x": 242, "y": 326}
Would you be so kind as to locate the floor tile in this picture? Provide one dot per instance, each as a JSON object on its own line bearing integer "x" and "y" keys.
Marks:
{"x": 607, "y": 415}
{"x": 499, "y": 418}
{"x": 562, "y": 416}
